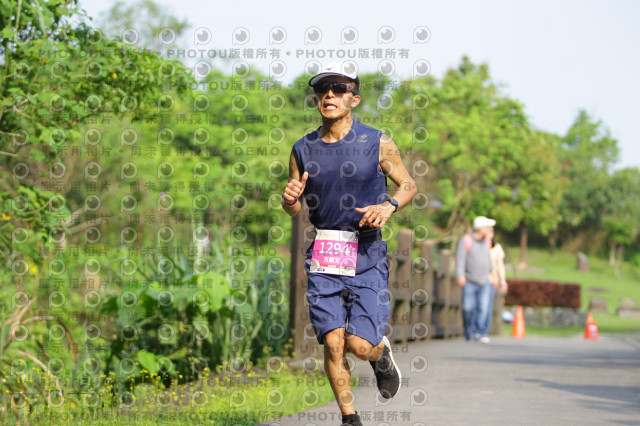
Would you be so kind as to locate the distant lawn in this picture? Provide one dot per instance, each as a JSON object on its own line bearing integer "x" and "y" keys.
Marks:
{"x": 599, "y": 282}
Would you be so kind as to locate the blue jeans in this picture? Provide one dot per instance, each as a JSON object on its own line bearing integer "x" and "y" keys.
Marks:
{"x": 476, "y": 309}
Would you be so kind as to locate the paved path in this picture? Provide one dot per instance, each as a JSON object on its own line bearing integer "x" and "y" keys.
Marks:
{"x": 530, "y": 381}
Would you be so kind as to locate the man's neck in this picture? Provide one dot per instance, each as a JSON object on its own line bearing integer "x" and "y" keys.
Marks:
{"x": 335, "y": 130}
{"x": 478, "y": 235}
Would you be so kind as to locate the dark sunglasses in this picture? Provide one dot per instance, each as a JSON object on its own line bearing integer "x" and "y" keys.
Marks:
{"x": 334, "y": 87}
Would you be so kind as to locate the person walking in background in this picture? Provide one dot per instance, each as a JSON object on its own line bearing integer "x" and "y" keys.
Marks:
{"x": 473, "y": 274}
{"x": 341, "y": 169}
{"x": 498, "y": 274}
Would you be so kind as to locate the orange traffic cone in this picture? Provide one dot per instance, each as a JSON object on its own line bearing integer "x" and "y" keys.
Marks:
{"x": 591, "y": 328}
{"x": 518, "y": 324}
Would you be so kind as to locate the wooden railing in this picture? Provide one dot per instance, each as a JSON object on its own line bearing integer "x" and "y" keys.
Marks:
{"x": 426, "y": 301}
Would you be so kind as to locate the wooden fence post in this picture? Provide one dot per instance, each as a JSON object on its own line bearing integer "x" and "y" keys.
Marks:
{"x": 400, "y": 286}
{"x": 304, "y": 340}
{"x": 442, "y": 293}
{"x": 455, "y": 302}
{"x": 422, "y": 294}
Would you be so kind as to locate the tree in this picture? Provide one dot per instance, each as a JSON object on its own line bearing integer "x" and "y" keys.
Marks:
{"x": 476, "y": 144}
{"x": 622, "y": 213}
{"x": 539, "y": 189}
{"x": 587, "y": 153}
{"x": 143, "y": 23}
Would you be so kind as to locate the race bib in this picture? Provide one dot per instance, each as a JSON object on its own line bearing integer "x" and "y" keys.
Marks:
{"x": 334, "y": 252}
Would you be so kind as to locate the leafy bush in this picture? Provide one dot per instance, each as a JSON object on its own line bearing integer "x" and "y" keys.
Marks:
{"x": 57, "y": 74}
{"x": 176, "y": 322}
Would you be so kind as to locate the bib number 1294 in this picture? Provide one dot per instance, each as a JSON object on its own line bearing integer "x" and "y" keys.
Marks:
{"x": 335, "y": 252}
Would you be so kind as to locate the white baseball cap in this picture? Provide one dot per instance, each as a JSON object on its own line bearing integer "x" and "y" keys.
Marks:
{"x": 342, "y": 69}
{"x": 481, "y": 222}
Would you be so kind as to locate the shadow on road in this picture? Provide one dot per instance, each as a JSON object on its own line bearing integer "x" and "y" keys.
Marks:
{"x": 627, "y": 398}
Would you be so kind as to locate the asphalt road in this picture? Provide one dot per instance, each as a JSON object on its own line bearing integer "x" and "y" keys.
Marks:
{"x": 529, "y": 381}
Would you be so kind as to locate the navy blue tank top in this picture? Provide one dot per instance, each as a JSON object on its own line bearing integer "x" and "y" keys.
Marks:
{"x": 343, "y": 175}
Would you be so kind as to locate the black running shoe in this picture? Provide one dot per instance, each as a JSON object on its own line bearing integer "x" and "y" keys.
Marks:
{"x": 351, "y": 420}
{"x": 387, "y": 374}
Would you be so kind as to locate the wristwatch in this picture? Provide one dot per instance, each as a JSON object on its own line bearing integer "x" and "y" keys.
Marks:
{"x": 394, "y": 203}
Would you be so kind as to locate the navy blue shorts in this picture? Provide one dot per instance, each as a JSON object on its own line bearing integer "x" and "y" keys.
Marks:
{"x": 359, "y": 303}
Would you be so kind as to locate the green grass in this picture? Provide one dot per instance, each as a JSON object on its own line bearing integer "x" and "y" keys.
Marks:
{"x": 239, "y": 399}
{"x": 600, "y": 281}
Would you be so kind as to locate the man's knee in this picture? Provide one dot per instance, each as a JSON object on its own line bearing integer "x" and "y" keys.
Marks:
{"x": 334, "y": 344}
{"x": 359, "y": 347}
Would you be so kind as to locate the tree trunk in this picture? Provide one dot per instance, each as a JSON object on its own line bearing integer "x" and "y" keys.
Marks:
{"x": 612, "y": 254}
{"x": 619, "y": 262}
{"x": 553, "y": 241}
{"x": 524, "y": 237}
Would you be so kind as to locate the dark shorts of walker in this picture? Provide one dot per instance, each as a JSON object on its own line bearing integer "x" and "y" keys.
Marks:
{"x": 359, "y": 303}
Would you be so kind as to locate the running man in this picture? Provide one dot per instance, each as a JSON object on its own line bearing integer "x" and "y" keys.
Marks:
{"x": 341, "y": 170}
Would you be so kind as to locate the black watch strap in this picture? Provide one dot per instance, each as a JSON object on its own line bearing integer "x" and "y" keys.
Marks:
{"x": 394, "y": 203}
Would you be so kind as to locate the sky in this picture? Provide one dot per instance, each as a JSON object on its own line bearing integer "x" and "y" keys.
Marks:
{"x": 555, "y": 57}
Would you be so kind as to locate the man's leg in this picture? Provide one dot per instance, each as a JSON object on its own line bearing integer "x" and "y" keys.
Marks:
{"x": 469, "y": 306}
{"x": 368, "y": 319}
{"x": 363, "y": 349}
{"x": 484, "y": 309}
{"x": 337, "y": 369}
{"x": 388, "y": 376}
